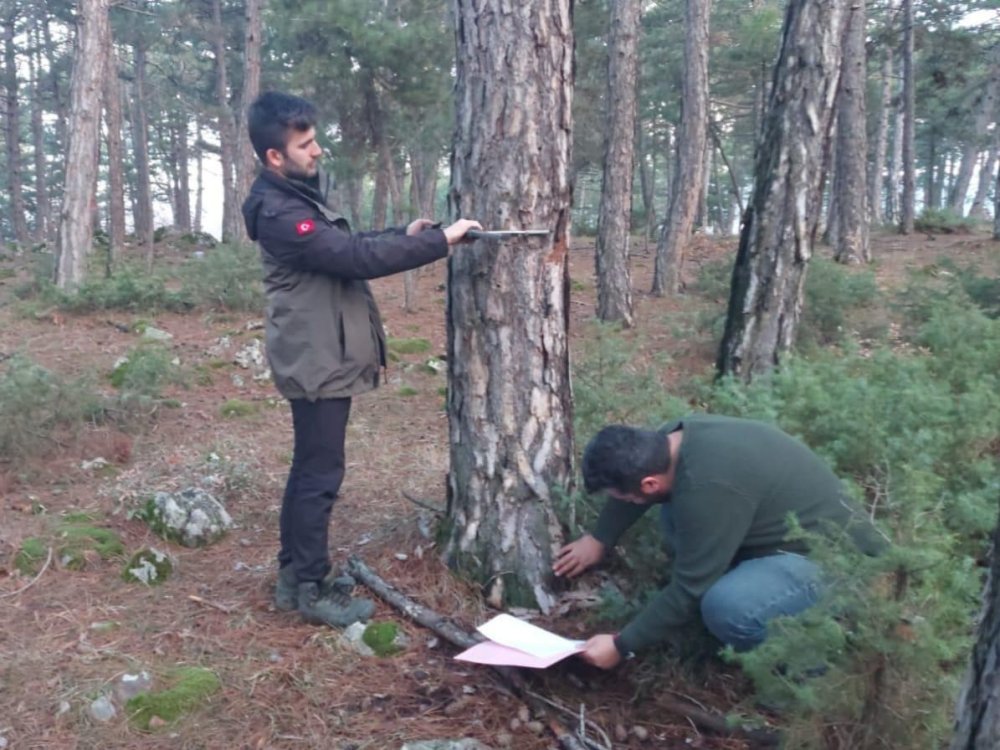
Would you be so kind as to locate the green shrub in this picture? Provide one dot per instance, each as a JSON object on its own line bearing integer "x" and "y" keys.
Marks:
{"x": 35, "y": 403}
{"x": 29, "y": 558}
{"x": 407, "y": 391}
{"x": 408, "y": 346}
{"x": 235, "y": 408}
{"x": 226, "y": 277}
{"x": 943, "y": 221}
{"x": 145, "y": 371}
{"x": 129, "y": 288}
{"x": 833, "y": 292}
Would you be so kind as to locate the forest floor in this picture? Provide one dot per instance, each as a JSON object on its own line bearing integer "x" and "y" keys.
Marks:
{"x": 70, "y": 635}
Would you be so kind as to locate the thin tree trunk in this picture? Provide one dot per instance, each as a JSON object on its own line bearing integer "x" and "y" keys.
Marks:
{"x": 58, "y": 100}
{"x": 996, "y": 208}
{"x": 116, "y": 157}
{"x": 199, "y": 177}
{"x": 875, "y": 176}
{"x": 509, "y": 399}
{"x": 908, "y": 207}
{"x": 850, "y": 177}
{"x": 75, "y": 226}
{"x": 986, "y": 111}
{"x": 646, "y": 180}
{"x": 43, "y": 206}
{"x": 893, "y": 197}
{"x": 780, "y": 225}
{"x": 18, "y": 210}
{"x": 690, "y": 172}
{"x": 182, "y": 196}
{"x": 140, "y": 143}
{"x": 232, "y": 223}
{"x": 614, "y": 285}
{"x": 978, "y": 209}
{"x": 930, "y": 183}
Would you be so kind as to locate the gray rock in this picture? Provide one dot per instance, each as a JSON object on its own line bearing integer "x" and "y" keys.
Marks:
{"x": 251, "y": 357}
{"x": 192, "y": 517}
{"x": 352, "y": 638}
{"x": 103, "y": 709}
{"x": 151, "y": 333}
{"x": 131, "y": 685}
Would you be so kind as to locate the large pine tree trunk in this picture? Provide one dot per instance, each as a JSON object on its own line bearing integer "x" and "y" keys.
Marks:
{"x": 875, "y": 174}
{"x": 907, "y": 208}
{"x": 977, "y": 721}
{"x": 614, "y": 286}
{"x": 251, "y": 88}
{"x": 12, "y": 134}
{"x": 850, "y": 177}
{"x": 75, "y": 226}
{"x": 689, "y": 174}
{"x": 509, "y": 400}
{"x": 116, "y": 157}
{"x": 780, "y": 223}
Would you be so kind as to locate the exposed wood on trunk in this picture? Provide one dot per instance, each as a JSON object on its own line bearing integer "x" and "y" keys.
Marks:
{"x": 75, "y": 226}
{"x": 614, "y": 284}
{"x": 509, "y": 399}
{"x": 689, "y": 174}
{"x": 780, "y": 226}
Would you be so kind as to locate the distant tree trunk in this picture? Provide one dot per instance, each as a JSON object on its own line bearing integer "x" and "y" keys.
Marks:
{"x": 850, "y": 177}
{"x": 199, "y": 176}
{"x": 251, "y": 88}
{"x": 977, "y": 720}
{"x": 930, "y": 183}
{"x": 509, "y": 399}
{"x": 893, "y": 209}
{"x": 690, "y": 172}
{"x": 986, "y": 112}
{"x": 116, "y": 158}
{"x": 996, "y": 208}
{"x": 140, "y": 143}
{"x": 875, "y": 176}
{"x": 43, "y": 206}
{"x": 12, "y": 135}
{"x": 908, "y": 202}
{"x": 58, "y": 100}
{"x": 780, "y": 223}
{"x": 232, "y": 222}
{"x": 978, "y": 209}
{"x": 646, "y": 179}
{"x": 614, "y": 286}
{"x": 182, "y": 187}
{"x": 75, "y": 226}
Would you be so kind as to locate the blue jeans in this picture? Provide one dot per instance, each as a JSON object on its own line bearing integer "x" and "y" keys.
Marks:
{"x": 738, "y": 606}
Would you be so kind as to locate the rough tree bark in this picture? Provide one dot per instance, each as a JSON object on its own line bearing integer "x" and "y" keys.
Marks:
{"x": 509, "y": 401}
{"x": 75, "y": 226}
{"x": 850, "y": 176}
{"x": 12, "y": 130}
{"x": 140, "y": 147}
{"x": 977, "y": 720}
{"x": 780, "y": 223}
{"x": 232, "y": 222}
{"x": 690, "y": 171}
{"x": 614, "y": 219}
{"x": 253, "y": 32}
{"x": 875, "y": 174}
{"x": 907, "y": 208}
{"x": 116, "y": 159}
{"x": 893, "y": 197}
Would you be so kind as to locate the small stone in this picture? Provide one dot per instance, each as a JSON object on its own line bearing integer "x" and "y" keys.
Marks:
{"x": 102, "y": 709}
{"x": 524, "y": 714}
{"x": 505, "y": 739}
{"x": 432, "y": 642}
{"x": 621, "y": 733}
{"x": 535, "y": 727}
{"x": 401, "y": 556}
{"x": 131, "y": 685}
{"x": 95, "y": 464}
{"x": 641, "y": 733}
{"x": 64, "y": 707}
{"x": 274, "y": 657}
{"x": 468, "y": 689}
{"x": 515, "y": 724}
{"x": 156, "y": 334}
{"x": 246, "y": 542}
{"x": 3, "y": 742}
{"x": 419, "y": 675}
{"x": 155, "y": 722}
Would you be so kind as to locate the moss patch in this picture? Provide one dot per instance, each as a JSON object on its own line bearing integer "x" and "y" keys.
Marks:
{"x": 407, "y": 391}
{"x": 235, "y": 408}
{"x": 190, "y": 686}
{"x": 380, "y": 637}
{"x": 75, "y": 540}
{"x": 409, "y": 346}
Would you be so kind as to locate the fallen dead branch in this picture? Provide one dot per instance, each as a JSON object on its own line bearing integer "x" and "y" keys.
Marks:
{"x": 30, "y": 583}
{"x": 207, "y": 603}
{"x": 455, "y": 635}
{"x": 515, "y": 682}
{"x": 424, "y": 504}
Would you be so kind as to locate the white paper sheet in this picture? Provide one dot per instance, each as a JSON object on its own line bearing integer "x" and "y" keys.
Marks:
{"x": 514, "y": 633}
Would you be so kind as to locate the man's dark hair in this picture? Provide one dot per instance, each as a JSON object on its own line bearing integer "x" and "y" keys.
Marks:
{"x": 272, "y": 115}
{"x": 620, "y": 457}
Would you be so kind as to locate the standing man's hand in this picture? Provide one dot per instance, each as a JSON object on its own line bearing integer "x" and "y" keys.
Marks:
{"x": 601, "y": 652}
{"x": 418, "y": 225}
{"x": 456, "y": 232}
{"x": 577, "y": 556}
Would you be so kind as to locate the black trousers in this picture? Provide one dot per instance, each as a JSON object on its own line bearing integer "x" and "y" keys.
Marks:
{"x": 313, "y": 482}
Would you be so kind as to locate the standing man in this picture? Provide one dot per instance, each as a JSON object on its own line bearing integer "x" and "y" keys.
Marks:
{"x": 325, "y": 340}
{"x": 725, "y": 487}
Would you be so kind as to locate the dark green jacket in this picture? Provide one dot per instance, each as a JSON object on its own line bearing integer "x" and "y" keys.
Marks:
{"x": 736, "y": 483}
{"x": 324, "y": 334}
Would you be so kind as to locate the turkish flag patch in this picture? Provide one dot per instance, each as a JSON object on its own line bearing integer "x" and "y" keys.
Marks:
{"x": 306, "y": 226}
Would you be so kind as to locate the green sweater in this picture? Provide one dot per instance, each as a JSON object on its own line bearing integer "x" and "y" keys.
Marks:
{"x": 735, "y": 484}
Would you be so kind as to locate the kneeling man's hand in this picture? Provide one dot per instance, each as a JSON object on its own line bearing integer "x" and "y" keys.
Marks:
{"x": 577, "y": 556}
{"x": 601, "y": 652}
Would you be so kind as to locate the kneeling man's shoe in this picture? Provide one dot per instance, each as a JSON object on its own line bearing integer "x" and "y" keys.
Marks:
{"x": 332, "y": 606}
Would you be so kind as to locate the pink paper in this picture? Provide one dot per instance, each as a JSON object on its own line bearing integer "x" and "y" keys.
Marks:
{"x": 494, "y": 654}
